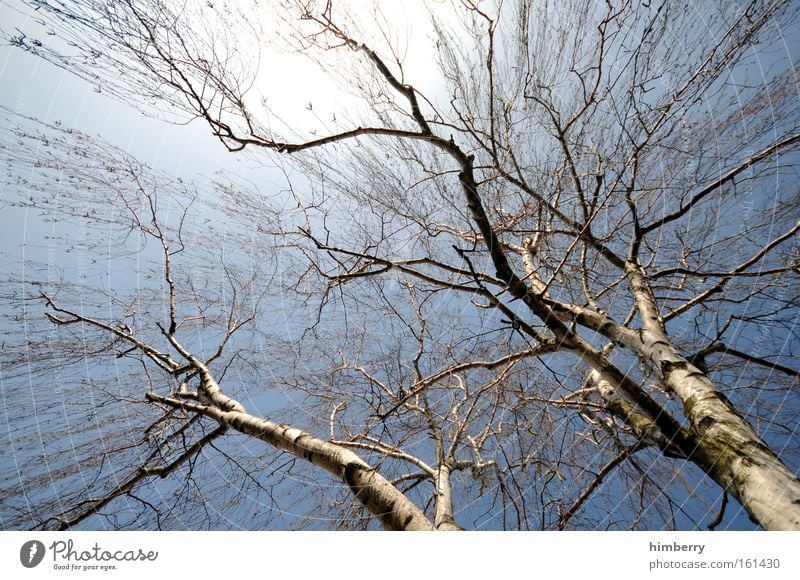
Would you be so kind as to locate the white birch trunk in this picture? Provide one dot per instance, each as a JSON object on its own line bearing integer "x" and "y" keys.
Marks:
{"x": 443, "y": 519}
{"x": 642, "y": 425}
{"x": 727, "y": 448}
{"x": 375, "y": 492}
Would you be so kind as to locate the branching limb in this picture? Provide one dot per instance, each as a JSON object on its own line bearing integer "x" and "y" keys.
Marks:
{"x": 379, "y": 496}
{"x": 92, "y": 506}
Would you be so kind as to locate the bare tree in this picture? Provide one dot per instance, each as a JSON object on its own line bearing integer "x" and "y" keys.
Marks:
{"x": 554, "y": 288}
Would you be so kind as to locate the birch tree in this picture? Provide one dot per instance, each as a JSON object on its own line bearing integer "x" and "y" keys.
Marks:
{"x": 553, "y": 282}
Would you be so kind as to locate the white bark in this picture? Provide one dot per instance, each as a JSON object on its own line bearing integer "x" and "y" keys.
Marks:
{"x": 726, "y": 446}
{"x": 642, "y": 426}
{"x": 378, "y": 495}
{"x": 444, "y": 519}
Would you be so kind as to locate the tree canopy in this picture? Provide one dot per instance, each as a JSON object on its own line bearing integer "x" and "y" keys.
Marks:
{"x": 514, "y": 265}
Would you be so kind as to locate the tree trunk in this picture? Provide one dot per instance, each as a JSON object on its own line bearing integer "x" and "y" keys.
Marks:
{"x": 378, "y": 495}
{"x": 444, "y": 519}
{"x": 727, "y": 448}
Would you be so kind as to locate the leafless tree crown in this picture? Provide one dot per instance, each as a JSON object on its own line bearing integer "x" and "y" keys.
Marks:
{"x": 542, "y": 277}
